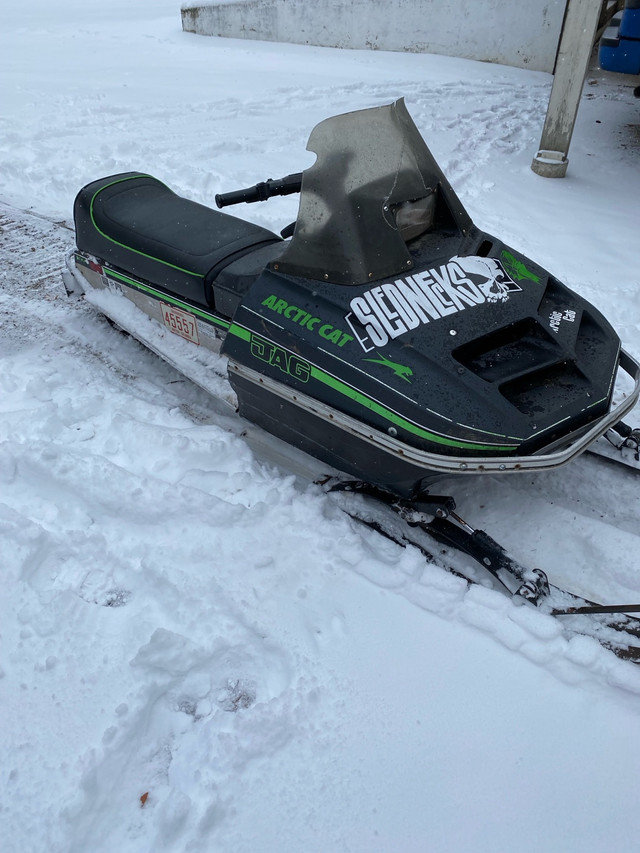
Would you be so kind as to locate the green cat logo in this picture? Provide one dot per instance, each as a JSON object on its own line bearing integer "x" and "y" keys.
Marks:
{"x": 516, "y": 268}
{"x": 400, "y": 370}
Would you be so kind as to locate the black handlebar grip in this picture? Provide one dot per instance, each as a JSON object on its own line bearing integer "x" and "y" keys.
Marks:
{"x": 262, "y": 191}
{"x": 237, "y": 197}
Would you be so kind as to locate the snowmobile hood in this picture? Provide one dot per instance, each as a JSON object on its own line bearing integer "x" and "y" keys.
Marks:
{"x": 374, "y": 185}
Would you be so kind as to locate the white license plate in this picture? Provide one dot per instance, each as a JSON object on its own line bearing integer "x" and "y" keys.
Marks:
{"x": 180, "y": 322}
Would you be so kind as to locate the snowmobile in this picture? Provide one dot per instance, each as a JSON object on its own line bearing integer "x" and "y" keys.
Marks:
{"x": 382, "y": 334}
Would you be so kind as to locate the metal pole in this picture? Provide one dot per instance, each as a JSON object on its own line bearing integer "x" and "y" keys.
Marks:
{"x": 576, "y": 44}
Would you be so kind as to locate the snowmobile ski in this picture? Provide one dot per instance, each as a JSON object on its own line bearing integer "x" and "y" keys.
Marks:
{"x": 619, "y": 445}
{"x": 435, "y": 516}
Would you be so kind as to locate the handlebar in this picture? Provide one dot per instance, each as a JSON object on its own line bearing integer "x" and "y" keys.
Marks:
{"x": 262, "y": 191}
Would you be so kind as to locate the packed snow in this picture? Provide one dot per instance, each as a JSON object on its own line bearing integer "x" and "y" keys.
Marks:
{"x": 199, "y": 651}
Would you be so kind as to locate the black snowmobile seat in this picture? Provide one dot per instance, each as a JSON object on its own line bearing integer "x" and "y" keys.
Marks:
{"x": 135, "y": 222}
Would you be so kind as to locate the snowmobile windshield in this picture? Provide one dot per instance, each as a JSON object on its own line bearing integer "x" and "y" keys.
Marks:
{"x": 374, "y": 186}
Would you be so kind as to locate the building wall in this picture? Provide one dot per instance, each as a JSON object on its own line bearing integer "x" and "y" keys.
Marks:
{"x": 522, "y": 33}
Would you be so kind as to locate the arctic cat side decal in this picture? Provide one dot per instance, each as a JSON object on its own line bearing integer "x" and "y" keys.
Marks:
{"x": 389, "y": 310}
{"x": 308, "y": 321}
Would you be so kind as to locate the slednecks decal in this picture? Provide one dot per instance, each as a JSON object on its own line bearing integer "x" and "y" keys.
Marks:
{"x": 389, "y": 310}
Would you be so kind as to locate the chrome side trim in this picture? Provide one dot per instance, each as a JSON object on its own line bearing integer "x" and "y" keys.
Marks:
{"x": 453, "y": 464}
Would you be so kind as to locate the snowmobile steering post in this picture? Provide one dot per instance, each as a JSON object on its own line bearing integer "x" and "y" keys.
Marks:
{"x": 262, "y": 191}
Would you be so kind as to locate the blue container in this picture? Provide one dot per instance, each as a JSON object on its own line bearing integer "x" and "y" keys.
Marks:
{"x": 630, "y": 23}
{"x": 620, "y": 44}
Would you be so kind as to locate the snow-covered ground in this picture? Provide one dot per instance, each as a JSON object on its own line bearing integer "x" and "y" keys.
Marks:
{"x": 200, "y": 653}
